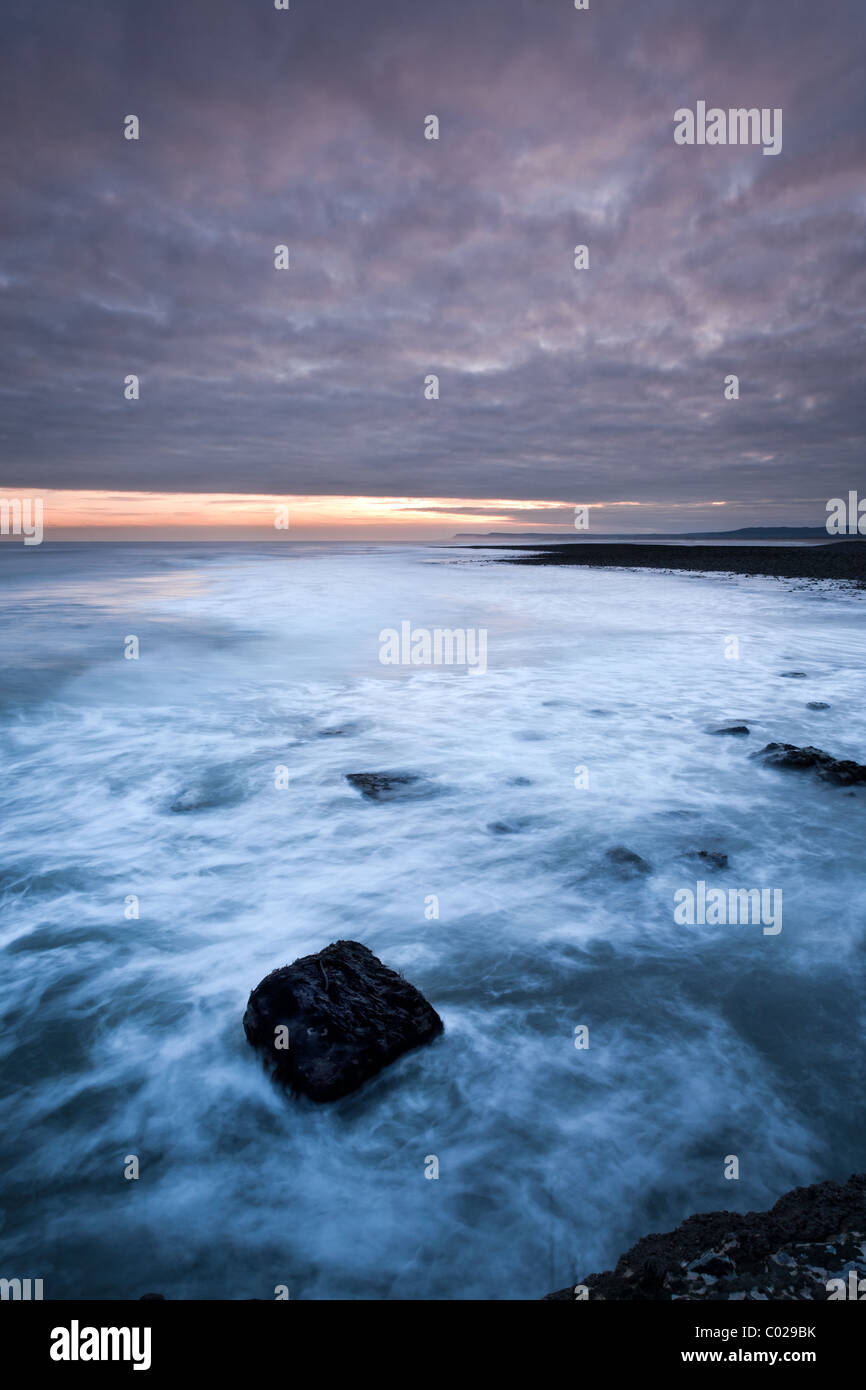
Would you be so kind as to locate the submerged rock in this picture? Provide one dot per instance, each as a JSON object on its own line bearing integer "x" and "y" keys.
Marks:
{"x": 193, "y": 799}
{"x": 817, "y": 704}
{"x": 713, "y": 858}
{"x": 214, "y": 789}
{"x": 629, "y": 863}
{"x": 842, "y": 772}
{"x": 738, "y": 729}
{"x": 329, "y": 1021}
{"x": 812, "y": 1235}
{"x": 386, "y": 786}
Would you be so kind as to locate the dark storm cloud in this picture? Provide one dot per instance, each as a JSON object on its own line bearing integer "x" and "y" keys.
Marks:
{"x": 412, "y": 257}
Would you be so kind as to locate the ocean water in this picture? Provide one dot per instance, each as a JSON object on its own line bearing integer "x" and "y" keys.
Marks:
{"x": 156, "y": 778}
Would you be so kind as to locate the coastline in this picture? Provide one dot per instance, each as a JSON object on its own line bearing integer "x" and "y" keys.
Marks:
{"x": 838, "y": 560}
{"x": 809, "y": 1238}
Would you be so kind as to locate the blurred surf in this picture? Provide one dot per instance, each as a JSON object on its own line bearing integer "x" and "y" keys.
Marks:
{"x": 156, "y": 778}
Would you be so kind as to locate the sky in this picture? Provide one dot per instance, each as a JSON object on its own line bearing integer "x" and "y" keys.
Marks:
{"x": 408, "y": 257}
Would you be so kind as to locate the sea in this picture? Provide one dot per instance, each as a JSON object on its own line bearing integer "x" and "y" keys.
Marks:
{"x": 176, "y": 822}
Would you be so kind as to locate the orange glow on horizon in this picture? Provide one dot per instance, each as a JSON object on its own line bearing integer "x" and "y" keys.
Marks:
{"x": 95, "y": 509}
{"x": 75, "y": 514}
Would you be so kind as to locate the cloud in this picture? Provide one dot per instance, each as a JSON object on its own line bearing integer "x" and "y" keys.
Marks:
{"x": 412, "y": 257}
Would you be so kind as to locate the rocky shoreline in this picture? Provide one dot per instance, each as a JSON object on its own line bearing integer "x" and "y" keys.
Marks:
{"x": 810, "y": 1245}
{"x": 839, "y": 560}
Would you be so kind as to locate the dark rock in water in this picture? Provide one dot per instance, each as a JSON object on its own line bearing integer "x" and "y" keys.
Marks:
{"x": 841, "y": 772}
{"x": 739, "y": 729}
{"x": 627, "y": 861}
{"x": 793, "y": 675}
{"x": 812, "y": 1235}
{"x": 386, "y": 786}
{"x": 501, "y": 827}
{"x": 346, "y": 1016}
{"x": 817, "y": 704}
{"x": 713, "y": 858}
